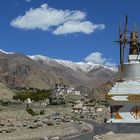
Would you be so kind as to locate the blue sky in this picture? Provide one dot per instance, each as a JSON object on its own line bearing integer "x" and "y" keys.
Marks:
{"x": 74, "y": 30}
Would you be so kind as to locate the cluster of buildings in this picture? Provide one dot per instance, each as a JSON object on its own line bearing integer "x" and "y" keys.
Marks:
{"x": 62, "y": 93}
{"x": 60, "y": 89}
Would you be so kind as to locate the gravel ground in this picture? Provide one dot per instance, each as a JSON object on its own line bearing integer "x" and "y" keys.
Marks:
{"x": 27, "y": 134}
{"x": 10, "y": 116}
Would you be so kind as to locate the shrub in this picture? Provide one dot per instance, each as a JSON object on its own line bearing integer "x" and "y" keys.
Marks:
{"x": 41, "y": 112}
{"x": 30, "y": 111}
{"x": 36, "y": 96}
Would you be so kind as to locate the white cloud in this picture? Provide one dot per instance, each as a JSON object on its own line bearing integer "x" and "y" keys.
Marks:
{"x": 110, "y": 64}
{"x": 97, "y": 58}
{"x": 55, "y": 21}
{"x": 28, "y": 0}
{"x": 76, "y": 26}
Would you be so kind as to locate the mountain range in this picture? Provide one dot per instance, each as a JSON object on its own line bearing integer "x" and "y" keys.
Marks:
{"x": 19, "y": 70}
{"x": 78, "y": 73}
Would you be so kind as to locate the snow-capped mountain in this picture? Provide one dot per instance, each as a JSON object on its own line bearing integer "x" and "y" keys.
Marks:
{"x": 80, "y": 66}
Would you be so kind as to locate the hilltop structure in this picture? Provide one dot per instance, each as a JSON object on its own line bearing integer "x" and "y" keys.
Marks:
{"x": 61, "y": 94}
{"x": 124, "y": 97}
{"x": 60, "y": 89}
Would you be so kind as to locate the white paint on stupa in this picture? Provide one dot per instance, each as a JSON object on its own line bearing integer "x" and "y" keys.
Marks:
{"x": 125, "y": 87}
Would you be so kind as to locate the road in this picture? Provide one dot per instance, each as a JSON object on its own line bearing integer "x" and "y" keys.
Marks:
{"x": 88, "y": 136}
{"x": 105, "y": 128}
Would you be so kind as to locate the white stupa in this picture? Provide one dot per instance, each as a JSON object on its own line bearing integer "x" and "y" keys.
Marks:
{"x": 124, "y": 97}
{"x": 28, "y": 101}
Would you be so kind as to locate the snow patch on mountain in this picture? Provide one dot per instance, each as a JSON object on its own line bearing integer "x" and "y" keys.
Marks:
{"x": 40, "y": 57}
{"x": 2, "y": 51}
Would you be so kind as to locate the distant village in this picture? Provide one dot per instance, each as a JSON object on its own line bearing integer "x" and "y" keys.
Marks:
{"x": 60, "y": 89}
{"x": 62, "y": 94}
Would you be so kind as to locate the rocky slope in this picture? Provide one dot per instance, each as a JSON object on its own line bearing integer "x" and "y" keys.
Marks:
{"x": 78, "y": 73}
{"x": 18, "y": 70}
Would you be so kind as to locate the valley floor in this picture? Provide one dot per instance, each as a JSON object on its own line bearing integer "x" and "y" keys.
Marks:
{"x": 58, "y": 122}
{"x": 17, "y": 124}
{"x": 65, "y": 130}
